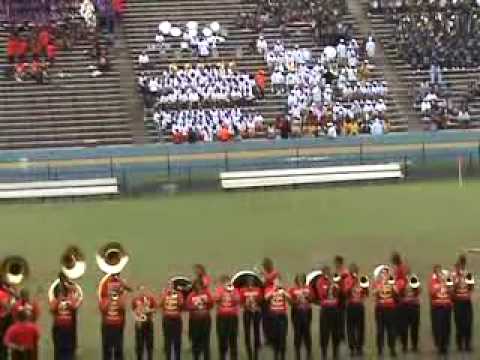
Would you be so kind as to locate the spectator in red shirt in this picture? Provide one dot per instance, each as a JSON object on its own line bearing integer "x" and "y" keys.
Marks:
{"x": 22, "y": 49}
{"x": 51, "y": 52}
{"x": 21, "y": 70}
{"x": 12, "y": 48}
{"x": 113, "y": 324}
{"x": 260, "y": 81}
{"x": 228, "y": 308}
{"x": 143, "y": 307}
{"x": 301, "y": 298}
{"x": 22, "y": 338}
{"x": 5, "y": 316}
{"x": 64, "y": 310}
{"x": 252, "y": 298}
{"x": 43, "y": 40}
{"x": 171, "y": 306}
{"x": 199, "y": 304}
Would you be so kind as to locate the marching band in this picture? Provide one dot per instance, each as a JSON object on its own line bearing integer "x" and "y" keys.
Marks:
{"x": 258, "y": 297}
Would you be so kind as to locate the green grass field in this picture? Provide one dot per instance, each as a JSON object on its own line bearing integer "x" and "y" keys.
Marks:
{"x": 427, "y": 222}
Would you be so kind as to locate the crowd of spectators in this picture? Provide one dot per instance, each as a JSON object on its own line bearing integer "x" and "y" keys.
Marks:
{"x": 435, "y": 32}
{"x": 332, "y": 94}
{"x": 209, "y": 124}
{"x": 39, "y": 29}
{"x": 324, "y": 16}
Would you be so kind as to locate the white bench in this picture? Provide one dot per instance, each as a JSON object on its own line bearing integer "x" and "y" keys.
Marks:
{"x": 59, "y": 188}
{"x": 266, "y": 178}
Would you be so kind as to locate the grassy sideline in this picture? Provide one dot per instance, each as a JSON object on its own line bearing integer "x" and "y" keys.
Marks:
{"x": 427, "y": 222}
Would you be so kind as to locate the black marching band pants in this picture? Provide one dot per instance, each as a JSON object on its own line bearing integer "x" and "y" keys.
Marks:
{"x": 356, "y": 327}
{"x": 112, "y": 339}
{"x": 278, "y": 328}
{"x": 409, "y": 323}
{"x": 172, "y": 334}
{"x": 144, "y": 339}
{"x": 463, "y": 315}
{"x": 5, "y": 323}
{"x": 330, "y": 328}
{"x": 199, "y": 331}
{"x": 251, "y": 324}
{"x": 227, "y": 334}
{"x": 64, "y": 342}
{"x": 441, "y": 327}
{"x": 386, "y": 323}
{"x": 302, "y": 331}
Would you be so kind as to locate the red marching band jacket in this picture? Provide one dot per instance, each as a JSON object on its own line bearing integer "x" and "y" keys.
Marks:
{"x": 461, "y": 290}
{"x": 440, "y": 293}
{"x": 30, "y": 307}
{"x": 277, "y": 299}
{"x": 228, "y": 301}
{"x": 144, "y": 304}
{"x": 386, "y": 295}
{"x": 354, "y": 293}
{"x": 410, "y": 296}
{"x": 6, "y": 301}
{"x": 328, "y": 293}
{"x": 301, "y": 297}
{"x": 63, "y": 309}
{"x": 171, "y": 304}
{"x": 199, "y": 303}
{"x": 110, "y": 283}
{"x": 113, "y": 311}
{"x": 251, "y": 298}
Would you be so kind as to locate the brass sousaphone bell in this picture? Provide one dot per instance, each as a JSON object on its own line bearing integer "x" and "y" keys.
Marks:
{"x": 364, "y": 282}
{"x": 414, "y": 281}
{"x": 112, "y": 258}
{"x": 14, "y": 270}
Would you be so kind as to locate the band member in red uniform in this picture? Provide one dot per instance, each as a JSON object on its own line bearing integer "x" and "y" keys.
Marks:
{"x": 112, "y": 282}
{"x": 270, "y": 278}
{"x": 143, "y": 307}
{"x": 201, "y": 273}
{"x": 356, "y": 291}
{"x": 64, "y": 308}
{"x": 462, "y": 304}
{"x": 441, "y": 294}
{"x": 386, "y": 297}
{"x": 341, "y": 277}
{"x": 6, "y": 301}
{"x": 199, "y": 304}
{"x": 409, "y": 314}
{"x": 228, "y": 308}
{"x": 22, "y": 338}
{"x": 328, "y": 294}
{"x": 252, "y": 299}
{"x": 277, "y": 299}
{"x": 24, "y": 303}
{"x": 171, "y": 305}
{"x": 113, "y": 324}
{"x": 301, "y": 296}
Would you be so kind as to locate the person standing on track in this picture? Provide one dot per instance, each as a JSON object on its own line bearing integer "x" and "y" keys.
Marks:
{"x": 228, "y": 308}
{"x": 113, "y": 310}
{"x": 270, "y": 278}
{"x": 22, "y": 338}
{"x": 409, "y": 314}
{"x": 301, "y": 296}
{"x": 342, "y": 274}
{"x": 199, "y": 303}
{"x": 171, "y": 305}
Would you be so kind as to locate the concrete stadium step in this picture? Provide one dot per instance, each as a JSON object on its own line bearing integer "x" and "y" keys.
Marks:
{"x": 57, "y": 143}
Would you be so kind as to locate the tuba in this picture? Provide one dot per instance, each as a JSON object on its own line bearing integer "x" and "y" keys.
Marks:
{"x": 14, "y": 270}
{"x": 112, "y": 258}
{"x": 73, "y": 266}
{"x": 364, "y": 282}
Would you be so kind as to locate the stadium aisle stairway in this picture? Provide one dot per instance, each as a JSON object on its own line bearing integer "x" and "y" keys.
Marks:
{"x": 141, "y": 24}
{"x": 74, "y": 110}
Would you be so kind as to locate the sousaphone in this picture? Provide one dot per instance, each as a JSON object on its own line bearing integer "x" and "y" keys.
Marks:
{"x": 73, "y": 266}
{"x": 112, "y": 258}
{"x": 14, "y": 270}
{"x": 242, "y": 278}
